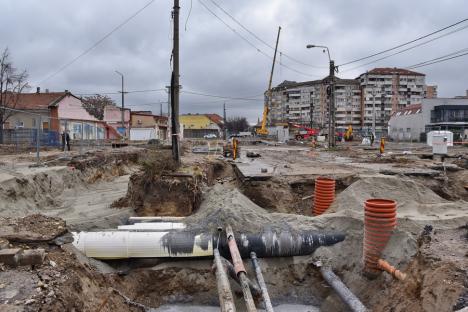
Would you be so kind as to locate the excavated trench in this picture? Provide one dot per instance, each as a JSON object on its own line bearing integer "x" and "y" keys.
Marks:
{"x": 294, "y": 283}
{"x": 210, "y": 195}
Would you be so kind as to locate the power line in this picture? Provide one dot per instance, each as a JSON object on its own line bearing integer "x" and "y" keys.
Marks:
{"x": 404, "y": 44}
{"x": 407, "y": 49}
{"x": 221, "y": 96}
{"x": 250, "y": 43}
{"x": 63, "y": 67}
{"x": 440, "y": 59}
{"x": 260, "y": 39}
{"x": 126, "y": 92}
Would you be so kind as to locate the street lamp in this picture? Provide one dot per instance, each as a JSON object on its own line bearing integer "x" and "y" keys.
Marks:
{"x": 123, "y": 103}
{"x": 331, "y": 104}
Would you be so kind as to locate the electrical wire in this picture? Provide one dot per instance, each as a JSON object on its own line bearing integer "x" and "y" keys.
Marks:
{"x": 188, "y": 16}
{"x": 119, "y": 92}
{"x": 404, "y": 44}
{"x": 63, "y": 67}
{"x": 407, "y": 49}
{"x": 251, "y": 44}
{"x": 221, "y": 96}
{"x": 440, "y": 59}
{"x": 260, "y": 39}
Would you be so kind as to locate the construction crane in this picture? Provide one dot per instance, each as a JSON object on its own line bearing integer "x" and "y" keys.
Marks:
{"x": 263, "y": 130}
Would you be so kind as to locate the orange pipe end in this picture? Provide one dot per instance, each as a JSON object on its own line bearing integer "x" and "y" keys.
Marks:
{"x": 387, "y": 267}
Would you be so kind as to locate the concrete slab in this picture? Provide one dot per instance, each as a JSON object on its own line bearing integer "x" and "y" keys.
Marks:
{"x": 253, "y": 170}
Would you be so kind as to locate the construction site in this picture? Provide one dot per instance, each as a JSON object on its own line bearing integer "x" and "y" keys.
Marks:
{"x": 347, "y": 195}
{"x": 127, "y": 229}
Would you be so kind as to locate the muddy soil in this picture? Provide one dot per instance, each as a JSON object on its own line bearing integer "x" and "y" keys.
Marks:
{"x": 79, "y": 191}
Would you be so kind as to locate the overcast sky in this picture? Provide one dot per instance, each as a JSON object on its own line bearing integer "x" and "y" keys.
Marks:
{"x": 45, "y": 35}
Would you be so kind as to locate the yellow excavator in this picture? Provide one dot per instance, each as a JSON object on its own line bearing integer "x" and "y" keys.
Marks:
{"x": 263, "y": 129}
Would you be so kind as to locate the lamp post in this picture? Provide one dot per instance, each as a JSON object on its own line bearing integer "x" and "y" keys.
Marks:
{"x": 331, "y": 103}
{"x": 123, "y": 104}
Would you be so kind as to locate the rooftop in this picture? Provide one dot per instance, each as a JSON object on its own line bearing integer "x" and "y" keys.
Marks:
{"x": 392, "y": 71}
{"x": 31, "y": 101}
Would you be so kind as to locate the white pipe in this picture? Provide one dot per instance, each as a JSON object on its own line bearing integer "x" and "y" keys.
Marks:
{"x": 152, "y": 226}
{"x": 155, "y": 219}
{"x": 125, "y": 244}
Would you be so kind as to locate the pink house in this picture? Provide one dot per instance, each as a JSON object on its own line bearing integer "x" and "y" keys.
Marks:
{"x": 59, "y": 111}
{"x": 113, "y": 118}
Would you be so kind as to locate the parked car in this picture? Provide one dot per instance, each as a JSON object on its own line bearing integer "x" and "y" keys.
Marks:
{"x": 210, "y": 136}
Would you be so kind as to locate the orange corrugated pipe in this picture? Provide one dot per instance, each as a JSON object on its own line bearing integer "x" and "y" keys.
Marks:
{"x": 379, "y": 222}
{"x": 324, "y": 195}
{"x": 387, "y": 267}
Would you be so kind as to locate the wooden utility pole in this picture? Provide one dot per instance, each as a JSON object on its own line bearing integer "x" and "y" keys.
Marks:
{"x": 331, "y": 107}
{"x": 175, "y": 87}
{"x": 224, "y": 122}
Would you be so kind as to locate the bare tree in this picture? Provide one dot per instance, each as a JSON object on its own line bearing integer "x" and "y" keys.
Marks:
{"x": 95, "y": 104}
{"x": 236, "y": 124}
{"x": 12, "y": 84}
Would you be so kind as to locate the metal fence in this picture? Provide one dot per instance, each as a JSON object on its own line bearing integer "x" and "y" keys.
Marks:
{"x": 27, "y": 131}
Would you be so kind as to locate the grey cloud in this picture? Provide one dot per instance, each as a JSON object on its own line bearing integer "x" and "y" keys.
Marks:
{"x": 44, "y": 35}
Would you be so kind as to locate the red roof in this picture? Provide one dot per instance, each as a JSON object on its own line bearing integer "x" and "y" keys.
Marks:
{"x": 408, "y": 110}
{"x": 394, "y": 70}
{"x": 215, "y": 118}
{"x": 36, "y": 100}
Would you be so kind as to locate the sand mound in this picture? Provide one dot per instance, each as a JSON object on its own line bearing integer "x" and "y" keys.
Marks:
{"x": 222, "y": 205}
{"x": 415, "y": 201}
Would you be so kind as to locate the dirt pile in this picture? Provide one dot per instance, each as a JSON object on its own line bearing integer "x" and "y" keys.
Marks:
{"x": 415, "y": 201}
{"x": 158, "y": 190}
{"x": 22, "y": 194}
{"x": 63, "y": 282}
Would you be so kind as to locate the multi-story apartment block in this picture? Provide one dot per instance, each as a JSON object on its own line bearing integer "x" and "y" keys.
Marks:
{"x": 430, "y": 92}
{"x": 387, "y": 90}
{"x": 306, "y": 103}
{"x": 378, "y": 92}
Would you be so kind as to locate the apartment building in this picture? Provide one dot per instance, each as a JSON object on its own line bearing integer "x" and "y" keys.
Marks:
{"x": 306, "y": 103}
{"x": 387, "y": 90}
{"x": 378, "y": 92}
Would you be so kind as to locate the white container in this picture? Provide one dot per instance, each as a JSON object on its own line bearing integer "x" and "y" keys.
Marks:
{"x": 447, "y": 134}
{"x": 439, "y": 144}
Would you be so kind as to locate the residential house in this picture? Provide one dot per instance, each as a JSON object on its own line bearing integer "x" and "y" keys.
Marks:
{"x": 113, "y": 118}
{"x": 145, "y": 126}
{"x": 55, "y": 112}
{"x": 199, "y": 125}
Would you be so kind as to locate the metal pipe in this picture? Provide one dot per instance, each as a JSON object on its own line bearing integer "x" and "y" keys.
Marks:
{"x": 184, "y": 243}
{"x": 152, "y": 226}
{"x": 261, "y": 282}
{"x": 156, "y": 219}
{"x": 254, "y": 288}
{"x": 281, "y": 244}
{"x": 240, "y": 270}
{"x": 226, "y": 300}
{"x": 343, "y": 292}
